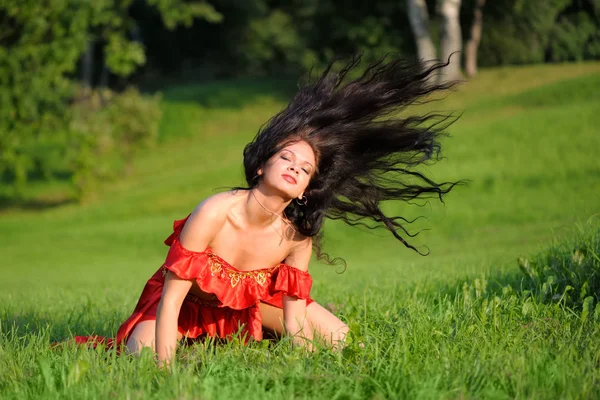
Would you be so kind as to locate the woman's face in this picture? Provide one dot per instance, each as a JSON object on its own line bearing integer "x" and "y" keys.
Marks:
{"x": 289, "y": 170}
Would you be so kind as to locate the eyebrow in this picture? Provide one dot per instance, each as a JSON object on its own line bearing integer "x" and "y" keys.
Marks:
{"x": 301, "y": 159}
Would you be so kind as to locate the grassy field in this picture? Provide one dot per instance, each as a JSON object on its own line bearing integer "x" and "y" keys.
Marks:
{"x": 454, "y": 324}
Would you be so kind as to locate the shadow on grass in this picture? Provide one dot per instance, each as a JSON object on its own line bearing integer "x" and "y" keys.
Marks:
{"x": 63, "y": 328}
{"x": 34, "y": 204}
{"x": 567, "y": 271}
{"x": 235, "y": 93}
{"x": 40, "y": 192}
{"x": 486, "y": 286}
{"x": 60, "y": 327}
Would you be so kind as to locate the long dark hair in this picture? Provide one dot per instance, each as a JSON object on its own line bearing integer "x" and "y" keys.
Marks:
{"x": 366, "y": 153}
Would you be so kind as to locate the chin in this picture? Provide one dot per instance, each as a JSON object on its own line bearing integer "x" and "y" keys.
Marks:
{"x": 280, "y": 189}
{"x": 287, "y": 194}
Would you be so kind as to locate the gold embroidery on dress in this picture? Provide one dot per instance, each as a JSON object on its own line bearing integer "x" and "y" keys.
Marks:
{"x": 216, "y": 268}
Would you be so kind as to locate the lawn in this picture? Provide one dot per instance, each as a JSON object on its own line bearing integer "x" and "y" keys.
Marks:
{"x": 454, "y": 324}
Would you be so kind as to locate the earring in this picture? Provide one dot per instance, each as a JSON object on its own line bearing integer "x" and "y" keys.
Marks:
{"x": 302, "y": 202}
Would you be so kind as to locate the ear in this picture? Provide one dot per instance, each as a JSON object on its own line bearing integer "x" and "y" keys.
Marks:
{"x": 301, "y": 196}
{"x": 259, "y": 172}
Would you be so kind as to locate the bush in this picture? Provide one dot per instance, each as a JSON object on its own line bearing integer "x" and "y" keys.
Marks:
{"x": 567, "y": 272}
{"x": 106, "y": 131}
{"x": 575, "y": 37}
{"x": 41, "y": 45}
{"x": 535, "y": 31}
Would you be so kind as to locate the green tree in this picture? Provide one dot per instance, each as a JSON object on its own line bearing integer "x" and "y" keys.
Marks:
{"x": 40, "y": 46}
{"x": 535, "y": 31}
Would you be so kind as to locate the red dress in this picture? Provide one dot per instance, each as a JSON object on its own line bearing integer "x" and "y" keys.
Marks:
{"x": 236, "y": 293}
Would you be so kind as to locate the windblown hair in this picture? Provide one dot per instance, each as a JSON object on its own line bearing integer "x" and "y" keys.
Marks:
{"x": 366, "y": 152}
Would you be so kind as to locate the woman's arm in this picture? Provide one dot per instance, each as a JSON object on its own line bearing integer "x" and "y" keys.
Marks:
{"x": 174, "y": 291}
{"x": 199, "y": 230}
{"x": 296, "y": 323}
{"x": 294, "y": 309}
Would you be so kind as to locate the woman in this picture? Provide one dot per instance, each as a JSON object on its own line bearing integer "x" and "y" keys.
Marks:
{"x": 338, "y": 150}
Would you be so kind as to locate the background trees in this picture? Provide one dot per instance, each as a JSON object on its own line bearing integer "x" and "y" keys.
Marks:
{"x": 282, "y": 37}
{"x": 54, "y": 54}
{"x": 472, "y": 45}
{"x": 44, "y": 46}
{"x": 451, "y": 36}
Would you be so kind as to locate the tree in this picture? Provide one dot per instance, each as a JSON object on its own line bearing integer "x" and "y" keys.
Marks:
{"x": 537, "y": 31}
{"x": 41, "y": 44}
{"x": 473, "y": 43}
{"x": 419, "y": 21}
{"x": 118, "y": 34}
{"x": 451, "y": 41}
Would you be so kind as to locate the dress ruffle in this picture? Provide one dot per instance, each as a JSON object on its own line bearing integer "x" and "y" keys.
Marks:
{"x": 234, "y": 288}
{"x": 197, "y": 317}
{"x": 237, "y": 292}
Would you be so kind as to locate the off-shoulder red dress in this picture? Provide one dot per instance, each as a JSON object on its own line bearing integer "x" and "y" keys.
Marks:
{"x": 236, "y": 294}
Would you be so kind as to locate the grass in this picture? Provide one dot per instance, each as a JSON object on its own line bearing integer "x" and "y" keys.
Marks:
{"x": 460, "y": 323}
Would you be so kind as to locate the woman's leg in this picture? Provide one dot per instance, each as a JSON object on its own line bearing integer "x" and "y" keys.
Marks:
{"x": 144, "y": 335}
{"x": 322, "y": 323}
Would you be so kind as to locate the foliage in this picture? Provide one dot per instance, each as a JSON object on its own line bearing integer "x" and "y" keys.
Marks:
{"x": 180, "y": 12}
{"x": 333, "y": 28}
{"x": 575, "y": 37}
{"x": 107, "y": 130}
{"x": 569, "y": 271}
{"x": 111, "y": 25}
{"x": 273, "y": 42}
{"x": 41, "y": 44}
{"x": 535, "y": 31}
{"x": 262, "y": 37}
{"x": 279, "y": 38}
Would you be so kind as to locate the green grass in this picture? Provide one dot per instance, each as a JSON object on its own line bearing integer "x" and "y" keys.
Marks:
{"x": 455, "y": 324}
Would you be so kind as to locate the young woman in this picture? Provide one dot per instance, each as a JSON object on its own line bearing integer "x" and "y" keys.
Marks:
{"x": 238, "y": 263}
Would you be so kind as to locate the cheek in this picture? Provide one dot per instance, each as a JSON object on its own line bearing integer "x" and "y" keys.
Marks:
{"x": 269, "y": 166}
{"x": 306, "y": 182}
{"x": 274, "y": 164}
{"x": 272, "y": 171}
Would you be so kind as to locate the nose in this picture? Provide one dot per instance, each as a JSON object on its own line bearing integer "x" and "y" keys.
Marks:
{"x": 293, "y": 168}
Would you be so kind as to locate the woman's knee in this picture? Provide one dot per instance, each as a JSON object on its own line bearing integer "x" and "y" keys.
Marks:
{"x": 143, "y": 335}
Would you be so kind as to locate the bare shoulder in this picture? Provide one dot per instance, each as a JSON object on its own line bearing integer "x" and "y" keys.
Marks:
{"x": 300, "y": 252}
{"x": 217, "y": 203}
{"x": 206, "y": 220}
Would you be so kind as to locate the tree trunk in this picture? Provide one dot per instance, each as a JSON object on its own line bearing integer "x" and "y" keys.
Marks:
{"x": 473, "y": 44}
{"x": 419, "y": 21}
{"x": 104, "y": 76}
{"x": 87, "y": 66}
{"x": 451, "y": 38}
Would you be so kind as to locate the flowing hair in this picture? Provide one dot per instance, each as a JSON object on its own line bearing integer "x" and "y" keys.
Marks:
{"x": 366, "y": 152}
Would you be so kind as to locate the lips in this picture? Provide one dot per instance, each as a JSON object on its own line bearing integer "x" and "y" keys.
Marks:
{"x": 289, "y": 179}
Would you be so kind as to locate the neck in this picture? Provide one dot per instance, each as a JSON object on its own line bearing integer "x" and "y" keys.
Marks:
{"x": 263, "y": 208}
